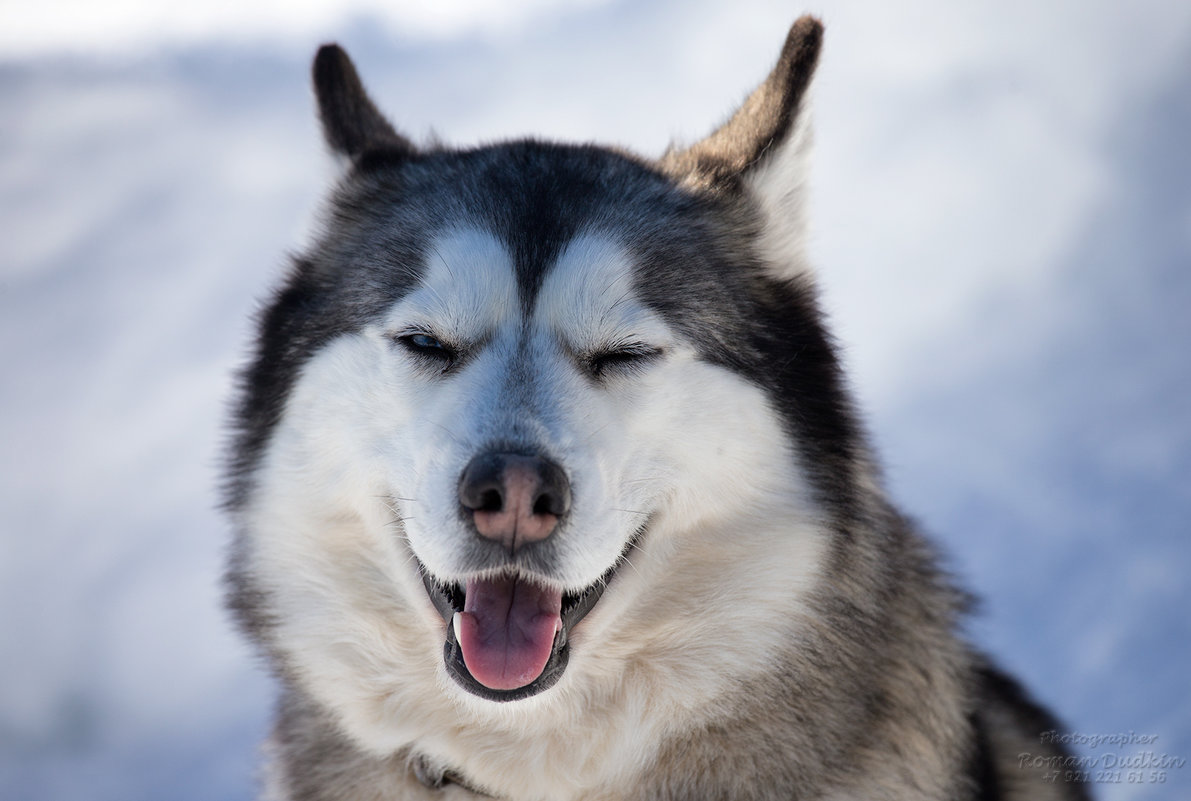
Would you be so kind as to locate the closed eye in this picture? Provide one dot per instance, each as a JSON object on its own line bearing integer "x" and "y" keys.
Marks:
{"x": 621, "y": 359}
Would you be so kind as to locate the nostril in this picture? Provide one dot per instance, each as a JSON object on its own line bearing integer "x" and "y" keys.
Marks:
{"x": 481, "y": 485}
{"x": 547, "y": 503}
{"x": 553, "y": 496}
{"x": 490, "y": 501}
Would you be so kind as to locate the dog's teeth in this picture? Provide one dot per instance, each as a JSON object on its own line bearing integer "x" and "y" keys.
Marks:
{"x": 455, "y": 624}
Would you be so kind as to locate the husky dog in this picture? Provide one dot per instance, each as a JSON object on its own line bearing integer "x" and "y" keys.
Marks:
{"x": 548, "y": 487}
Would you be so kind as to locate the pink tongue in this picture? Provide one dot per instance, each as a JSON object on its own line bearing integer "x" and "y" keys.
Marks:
{"x": 506, "y": 631}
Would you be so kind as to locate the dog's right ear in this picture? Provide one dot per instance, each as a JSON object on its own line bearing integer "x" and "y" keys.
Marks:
{"x": 351, "y": 123}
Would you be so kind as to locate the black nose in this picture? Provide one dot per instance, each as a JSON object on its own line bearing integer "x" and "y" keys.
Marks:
{"x": 514, "y": 499}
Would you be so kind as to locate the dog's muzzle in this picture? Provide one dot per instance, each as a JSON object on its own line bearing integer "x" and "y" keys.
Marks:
{"x": 508, "y": 627}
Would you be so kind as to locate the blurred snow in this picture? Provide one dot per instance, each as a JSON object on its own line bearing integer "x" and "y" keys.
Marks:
{"x": 120, "y": 26}
{"x": 1003, "y": 230}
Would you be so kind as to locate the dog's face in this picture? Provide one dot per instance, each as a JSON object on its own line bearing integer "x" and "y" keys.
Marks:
{"x": 524, "y": 412}
{"x": 526, "y": 393}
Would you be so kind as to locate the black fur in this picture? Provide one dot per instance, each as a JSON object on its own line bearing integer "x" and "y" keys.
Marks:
{"x": 351, "y": 122}
{"x": 982, "y": 768}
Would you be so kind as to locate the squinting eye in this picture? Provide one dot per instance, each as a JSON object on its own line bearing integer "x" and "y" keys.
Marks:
{"x": 426, "y": 346}
{"x": 424, "y": 342}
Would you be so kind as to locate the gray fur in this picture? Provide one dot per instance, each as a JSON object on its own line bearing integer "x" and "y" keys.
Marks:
{"x": 763, "y": 121}
{"x": 878, "y": 697}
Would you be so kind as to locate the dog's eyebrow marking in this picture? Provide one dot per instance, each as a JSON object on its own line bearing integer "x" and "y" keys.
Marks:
{"x": 469, "y": 287}
{"x": 589, "y": 293}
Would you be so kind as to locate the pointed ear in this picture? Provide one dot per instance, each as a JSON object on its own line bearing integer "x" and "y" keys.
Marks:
{"x": 762, "y": 150}
{"x": 351, "y": 123}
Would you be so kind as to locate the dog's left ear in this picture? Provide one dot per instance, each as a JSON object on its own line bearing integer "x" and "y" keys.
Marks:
{"x": 762, "y": 150}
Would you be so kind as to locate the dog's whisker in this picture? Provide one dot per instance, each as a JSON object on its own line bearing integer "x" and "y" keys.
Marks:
{"x": 593, "y": 434}
{"x": 397, "y": 498}
{"x": 454, "y": 437}
{"x": 626, "y": 560}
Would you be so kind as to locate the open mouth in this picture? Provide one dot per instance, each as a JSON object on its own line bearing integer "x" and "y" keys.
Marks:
{"x": 507, "y": 635}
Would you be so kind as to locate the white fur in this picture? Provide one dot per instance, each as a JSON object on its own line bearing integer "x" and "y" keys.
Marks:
{"x": 360, "y": 476}
{"x": 780, "y": 183}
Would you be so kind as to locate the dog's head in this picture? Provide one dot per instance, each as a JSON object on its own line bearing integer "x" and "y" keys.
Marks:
{"x": 512, "y": 387}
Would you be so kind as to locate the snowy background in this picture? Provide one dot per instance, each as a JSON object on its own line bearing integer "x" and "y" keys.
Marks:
{"x": 1003, "y": 229}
